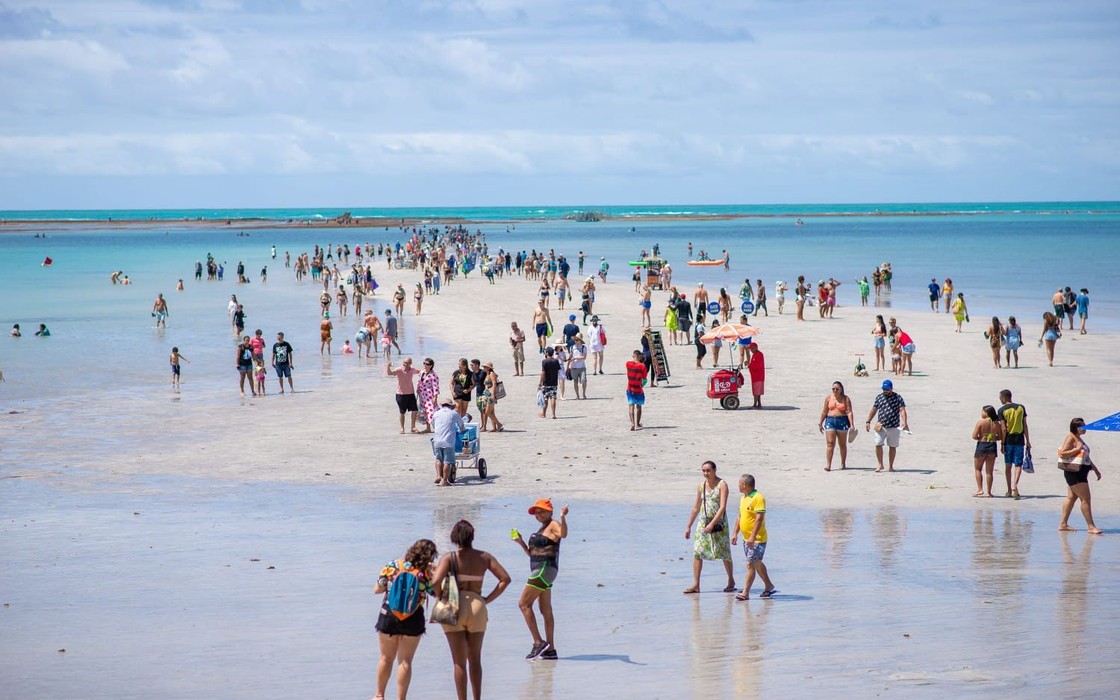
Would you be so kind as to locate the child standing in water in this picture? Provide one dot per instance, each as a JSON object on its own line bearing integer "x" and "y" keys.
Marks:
{"x": 175, "y": 371}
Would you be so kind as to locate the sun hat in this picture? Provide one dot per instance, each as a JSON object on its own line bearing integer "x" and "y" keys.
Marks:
{"x": 488, "y": 364}
{"x": 888, "y": 384}
{"x": 541, "y": 504}
{"x": 577, "y": 336}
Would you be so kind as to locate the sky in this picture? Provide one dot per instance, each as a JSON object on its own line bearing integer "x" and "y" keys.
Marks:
{"x": 297, "y": 103}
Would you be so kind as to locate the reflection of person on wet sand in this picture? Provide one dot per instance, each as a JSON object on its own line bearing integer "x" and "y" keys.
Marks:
{"x": 711, "y": 541}
{"x": 1075, "y": 452}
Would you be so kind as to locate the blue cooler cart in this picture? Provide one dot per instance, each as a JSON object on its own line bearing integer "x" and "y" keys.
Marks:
{"x": 468, "y": 452}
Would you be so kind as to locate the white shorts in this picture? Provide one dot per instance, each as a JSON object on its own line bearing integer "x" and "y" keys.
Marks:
{"x": 887, "y": 436}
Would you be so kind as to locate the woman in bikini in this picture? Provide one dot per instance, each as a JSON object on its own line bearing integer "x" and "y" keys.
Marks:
{"x": 468, "y": 566}
{"x": 418, "y": 297}
{"x": 994, "y": 334}
{"x": 835, "y": 421}
{"x": 988, "y": 433}
{"x": 462, "y": 381}
{"x": 543, "y": 549}
{"x": 488, "y": 401}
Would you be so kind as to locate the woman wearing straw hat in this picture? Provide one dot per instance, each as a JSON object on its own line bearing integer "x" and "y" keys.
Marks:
{"x": 543, "y": 549}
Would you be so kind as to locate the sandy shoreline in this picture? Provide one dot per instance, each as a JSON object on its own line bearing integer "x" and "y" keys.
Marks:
{"x": 349, "y": 429}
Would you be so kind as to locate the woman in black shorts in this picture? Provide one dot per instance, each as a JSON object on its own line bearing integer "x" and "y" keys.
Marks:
{"x": 1075, "y": 452}
{"x": 988, "y": 433}
{"x": 398, "y": 639}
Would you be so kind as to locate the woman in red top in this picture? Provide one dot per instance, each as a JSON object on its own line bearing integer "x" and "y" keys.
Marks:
{"x": 757, "y": 367}
{"x": 906, "y": 344}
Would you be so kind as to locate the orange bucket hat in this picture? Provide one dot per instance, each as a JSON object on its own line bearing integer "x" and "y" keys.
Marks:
{"x": 541, "y": 504}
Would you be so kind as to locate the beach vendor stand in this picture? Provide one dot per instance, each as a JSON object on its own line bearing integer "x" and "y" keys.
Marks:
{"x": 652, "y": 270}
{"x": 724, "y": 383}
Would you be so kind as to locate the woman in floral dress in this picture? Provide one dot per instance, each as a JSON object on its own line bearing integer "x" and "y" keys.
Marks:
{"x": 427, "y": 388}
{"x": 711, "y": 540}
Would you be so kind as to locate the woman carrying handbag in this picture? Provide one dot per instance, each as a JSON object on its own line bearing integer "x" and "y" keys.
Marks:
{"x": 464, "y": 570}
{"x": 1075, "y": 463}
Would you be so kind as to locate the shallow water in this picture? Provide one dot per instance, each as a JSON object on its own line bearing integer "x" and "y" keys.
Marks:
{"x": 153, "y": 588}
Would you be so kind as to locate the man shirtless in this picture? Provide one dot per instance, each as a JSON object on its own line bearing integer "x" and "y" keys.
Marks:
{"x": 159, "y": 310}
{"x": 645, "y": 304}
{"x": 700, "y": 300}
{"x": 541, "y": 323}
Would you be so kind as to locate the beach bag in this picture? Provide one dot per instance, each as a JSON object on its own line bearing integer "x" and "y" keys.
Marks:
{"x": 445, "y": 611}
{"x": 1072, "y": 464}
{"x": 603, "y": 336}
{"x": 403, "y": 599}
{"x": 499, "y": 391}
{"x": 540, "y": 399}
{"x": 1028, "y": 462}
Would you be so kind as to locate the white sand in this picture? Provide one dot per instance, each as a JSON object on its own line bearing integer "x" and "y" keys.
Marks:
{"x": 350, "y": 430}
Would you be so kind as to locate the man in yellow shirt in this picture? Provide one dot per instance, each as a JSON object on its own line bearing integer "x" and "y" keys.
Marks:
{"x": 752, "y": 523}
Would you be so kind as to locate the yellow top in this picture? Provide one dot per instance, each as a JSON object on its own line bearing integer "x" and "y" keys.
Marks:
{"x": 750, "y": 507}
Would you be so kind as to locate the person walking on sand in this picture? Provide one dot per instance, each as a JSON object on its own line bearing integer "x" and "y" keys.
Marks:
{"x": 406, "y": 389}
{"x": 488, "y": 400}
{"x": 934, "y": 294}
{"x": 373, "y": 327}
{"x": 947, "y": 294}
{"x": 1075, "y": 463}
{"x": 244, "y": 364}
{"x": 446, "y": 424}
{"x": 700, "y": 301}
{"x": 635, "y": 395}
{"x": 1082, "y": 302}
{"x": 960, "y": 310}
{"x": 891, "y": 409}
{"x": 1013, "y": 340}
{"x": 543, "y": 549}
{"x": 710, "y": 540}
{"x": 399, "y": 638}
{"x": 994, "y": 336}
{"x": 577, "y": 366}
{"x": 550, "y": 377}
{"x": 1016, "y": 440}
{"x": 517, "y": 343}
{"x": 752, "y": 523}
{"x": 987, "y": 433}
{"x": 427, "y": 392}
{"x": 836, "y": 420}
{"x": 542, "y": 324}
{"x": 801, "y": 293}
{"x": 283, "y": 362}
{"x": 596, "y": 344}
{"x": 159, "y": 310}
{"x": 1051, "y": 331}
{"x": 468, "y": 566}
{"x": 760, "y": 300}
{"x": 645, "y": 304}
{"x": 175, "y": 369}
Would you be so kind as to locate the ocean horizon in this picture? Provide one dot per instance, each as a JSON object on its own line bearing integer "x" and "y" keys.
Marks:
{"x": 542, "y": 212}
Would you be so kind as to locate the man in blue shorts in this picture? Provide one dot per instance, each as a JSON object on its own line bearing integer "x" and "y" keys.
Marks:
{"x": 934, "y": 294}
{"x": 635, "y": 395}
{"x": 541, "y": 322}
{"x": 446, "y": 425}
{"x": 1016, "y": 440}
{"x": 1083, "y": 308}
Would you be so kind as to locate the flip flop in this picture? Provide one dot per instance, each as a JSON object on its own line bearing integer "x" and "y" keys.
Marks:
{"x": 730, "y": 589}
{"x": 741, "y": 597}
{"x": 769, "y": 594}
{"x": 690, "y": 591}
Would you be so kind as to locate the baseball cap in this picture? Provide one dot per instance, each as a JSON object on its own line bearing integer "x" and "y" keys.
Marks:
{"x": 888, "y": 384}
{"x": 541, "y": 504}
{"x": 572, "y": 317}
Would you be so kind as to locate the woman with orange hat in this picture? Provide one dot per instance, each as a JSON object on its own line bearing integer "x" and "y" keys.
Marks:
{"x": 543, "y": 549}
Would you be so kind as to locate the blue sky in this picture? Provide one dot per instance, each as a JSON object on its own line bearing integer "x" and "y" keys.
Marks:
{"x": 267, "y": 103}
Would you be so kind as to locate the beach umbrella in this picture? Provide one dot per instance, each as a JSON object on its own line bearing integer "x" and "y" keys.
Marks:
{"x": 1108, "y": 423}
{"x": 729, "y": 332}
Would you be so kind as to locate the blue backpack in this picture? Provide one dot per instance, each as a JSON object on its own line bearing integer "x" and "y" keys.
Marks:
{"x": 404, "y": 592}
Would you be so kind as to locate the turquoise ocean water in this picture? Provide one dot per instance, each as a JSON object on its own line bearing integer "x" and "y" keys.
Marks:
{"x": 104, "y": 343}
